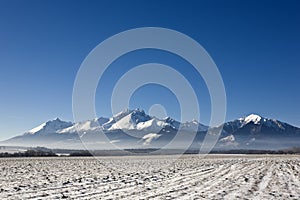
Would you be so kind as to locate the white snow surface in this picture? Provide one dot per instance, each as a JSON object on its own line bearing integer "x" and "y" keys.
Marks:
{"x": 252, "y": 118}
{"x": 152, "y": 177}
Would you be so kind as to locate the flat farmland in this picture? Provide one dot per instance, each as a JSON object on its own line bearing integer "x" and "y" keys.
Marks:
{"x": 152, "y": 177}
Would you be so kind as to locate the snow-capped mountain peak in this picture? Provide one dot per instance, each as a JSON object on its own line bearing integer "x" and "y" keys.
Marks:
{"x": 255, "y": 123}
{"x": 135, "y": 112}
{"x": 127, "y": 120}
{"x": 51, "y": 126}
{"x": 256, "y": 119}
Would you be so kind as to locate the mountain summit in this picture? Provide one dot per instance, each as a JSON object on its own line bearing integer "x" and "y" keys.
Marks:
{"x": 49, "y": 127}
{"x": 251, "y": 118}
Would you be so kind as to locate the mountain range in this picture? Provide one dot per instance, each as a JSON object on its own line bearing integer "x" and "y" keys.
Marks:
{"x": 136, "y": 129}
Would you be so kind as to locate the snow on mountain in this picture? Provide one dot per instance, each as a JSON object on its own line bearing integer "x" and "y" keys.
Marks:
{"x": 185, "y": 126}
{"x": 125, "y": 123}
{"x": 252, "y": 118}
{"x": 148, "y": 138}
{"x": 36, "y": 129}
{"x": 152, "y": 124}
{"x": 126, "y": 120}
{"x": 129, "y": 119}
{"x": 229, "y": 138}
{"x": 275, "y": 124}
{"x": 193, "y": 125}
{"x": 172, "y": 123}
{"x": 255, "y": 120}
{"x": 251, "y": 131}
{"x": 138, "y": 120}
{"x": 52, "y": 126}
{"x": 228, "y": 141}
{"x": 254, "y": 131}
{"x": 88, "y": 125}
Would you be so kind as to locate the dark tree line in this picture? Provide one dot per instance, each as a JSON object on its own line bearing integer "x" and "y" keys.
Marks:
{"x": 29, "y": 153}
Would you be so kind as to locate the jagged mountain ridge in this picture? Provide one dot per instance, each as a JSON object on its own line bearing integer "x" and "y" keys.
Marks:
{"x": 135, "y": 123}
{"x": 254, "y": 131}
{"x": 136, "y": 129}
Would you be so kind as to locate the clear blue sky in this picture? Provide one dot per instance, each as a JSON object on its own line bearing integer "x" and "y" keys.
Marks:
{"x": 255, "y": 44}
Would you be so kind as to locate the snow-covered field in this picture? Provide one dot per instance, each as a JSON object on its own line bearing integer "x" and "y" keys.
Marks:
{"x": 152, "y": 177}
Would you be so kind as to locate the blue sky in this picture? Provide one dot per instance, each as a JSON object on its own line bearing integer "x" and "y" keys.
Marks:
{"x": 255, "y": 44}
